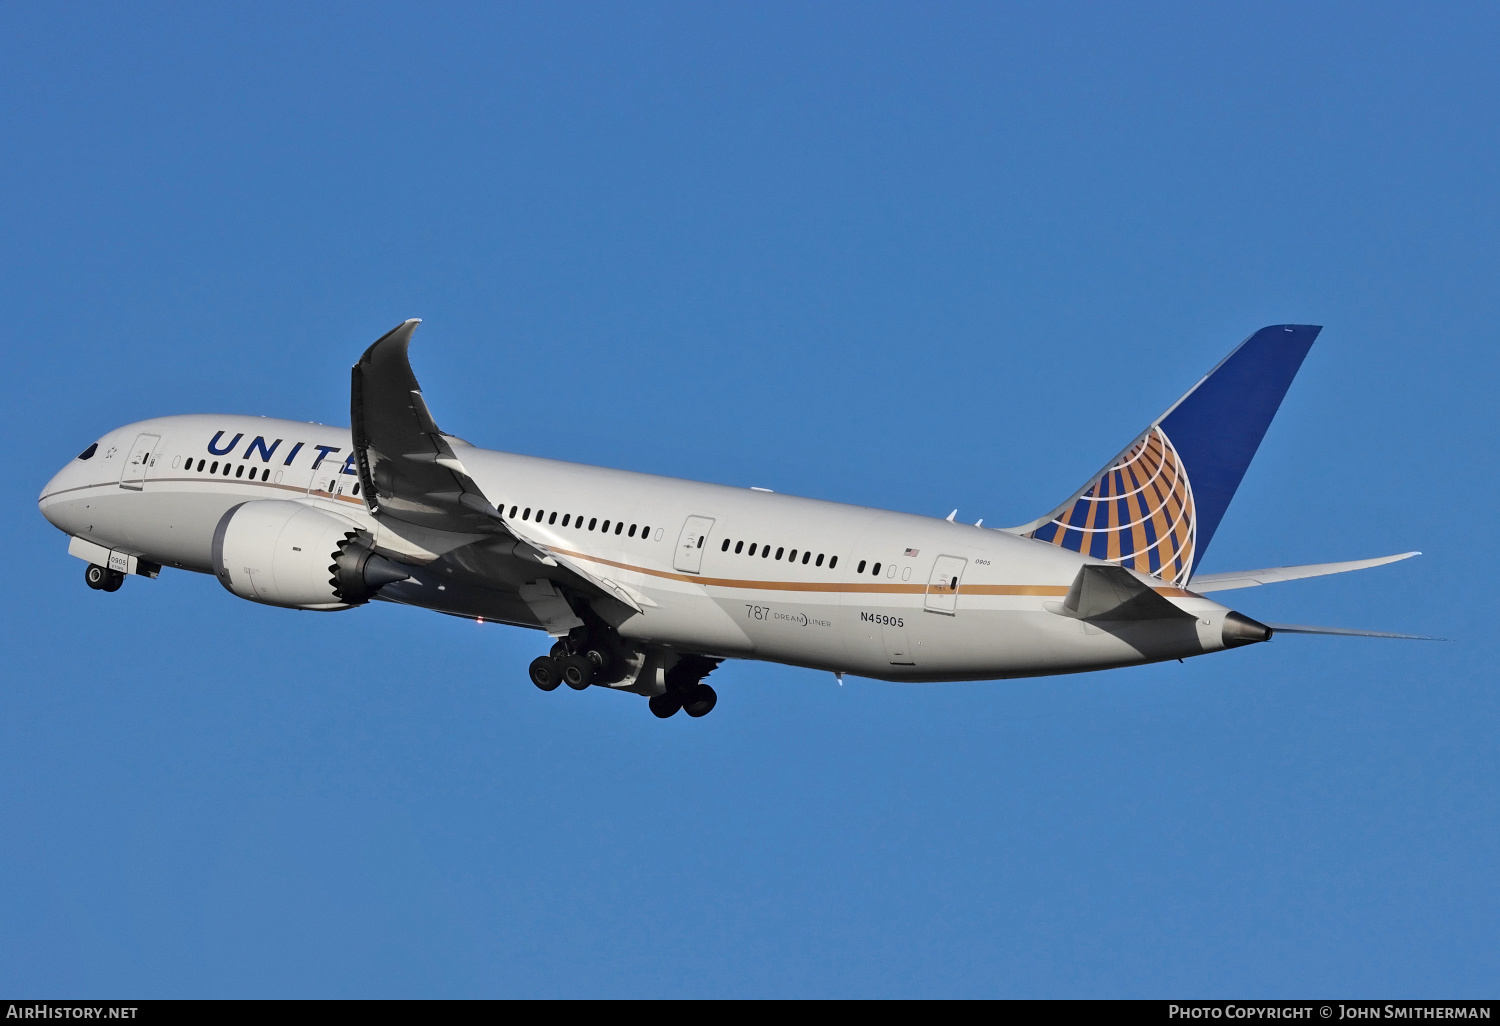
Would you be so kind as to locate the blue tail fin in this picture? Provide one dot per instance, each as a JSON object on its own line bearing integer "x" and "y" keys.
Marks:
{"x": 1156, "y": 506}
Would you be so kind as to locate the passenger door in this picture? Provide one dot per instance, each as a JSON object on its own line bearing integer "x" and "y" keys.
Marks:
{"x": 942, "y": 587}
{"x": 689, "y": 555}
{"x": 142, "y": 454}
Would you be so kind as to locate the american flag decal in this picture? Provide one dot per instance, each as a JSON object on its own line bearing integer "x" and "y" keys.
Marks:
{"x": 911, "y": 552}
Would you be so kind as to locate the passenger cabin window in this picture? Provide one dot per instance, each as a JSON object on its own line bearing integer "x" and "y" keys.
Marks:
{"x": 513, "y": 511}
{"x": 876, "y": 572}
{"x": 566, "y": 518}
{"x": 553, "y": 518}
{"x": 593, "y": 521}
{"x": 861, "y": 568}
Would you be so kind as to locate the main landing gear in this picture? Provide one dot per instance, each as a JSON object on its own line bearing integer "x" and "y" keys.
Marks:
{"x": 699, "y": 700}
{"x": 576, "y": 671}
{"x": 686, "y": 690}
{"x": 582, "y": 658}
{"x": 102, "y": 578}
{"x": 598, "y": 656}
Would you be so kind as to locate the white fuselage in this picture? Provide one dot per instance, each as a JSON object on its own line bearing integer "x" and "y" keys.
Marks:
{"x": 739, "y": 592}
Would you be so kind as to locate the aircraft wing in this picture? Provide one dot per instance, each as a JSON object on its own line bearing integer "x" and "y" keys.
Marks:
{"x": 1205, "y": 583}
{"x": 408, "y": 470}
{"x": 407, "y": 467}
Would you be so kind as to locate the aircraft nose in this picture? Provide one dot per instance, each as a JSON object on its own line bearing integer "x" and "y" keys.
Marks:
{"x": 54, "y": 499}
{"x": 56, "y": 484}
{"x": 47, "y": 501}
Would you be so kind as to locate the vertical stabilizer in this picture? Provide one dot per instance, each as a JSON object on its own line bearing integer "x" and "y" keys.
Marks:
{"x": 1156, "y": 506}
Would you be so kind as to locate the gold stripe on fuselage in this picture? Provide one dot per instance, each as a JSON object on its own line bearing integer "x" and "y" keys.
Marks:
{"x": 856, "y": 587}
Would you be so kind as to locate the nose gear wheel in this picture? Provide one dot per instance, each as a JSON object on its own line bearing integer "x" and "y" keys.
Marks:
{"x": 102, "y": 578}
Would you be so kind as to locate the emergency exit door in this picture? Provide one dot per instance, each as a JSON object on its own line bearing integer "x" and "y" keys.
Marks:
{"x": 142, "y": 456}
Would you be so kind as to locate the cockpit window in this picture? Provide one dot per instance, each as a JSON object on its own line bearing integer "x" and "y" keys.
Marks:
{"x": 89, "y": 452}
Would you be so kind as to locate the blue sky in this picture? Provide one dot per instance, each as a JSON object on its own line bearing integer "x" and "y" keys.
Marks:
{"x": 911, "y": 256}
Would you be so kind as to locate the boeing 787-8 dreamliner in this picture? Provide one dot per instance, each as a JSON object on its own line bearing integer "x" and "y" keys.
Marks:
{"x": 645, "y": 584}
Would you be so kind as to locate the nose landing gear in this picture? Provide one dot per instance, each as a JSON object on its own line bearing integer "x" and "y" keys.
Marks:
{"x": 102, "y": 578}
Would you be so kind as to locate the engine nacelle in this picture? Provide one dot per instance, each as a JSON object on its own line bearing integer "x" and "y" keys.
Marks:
{"x": 287, "y": 554}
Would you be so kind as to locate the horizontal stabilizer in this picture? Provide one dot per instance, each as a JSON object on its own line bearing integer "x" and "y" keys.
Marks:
{"x": 1299, "y": 628}
{"x": 1105, "y": 592}
{"x": 1205, "y": 583}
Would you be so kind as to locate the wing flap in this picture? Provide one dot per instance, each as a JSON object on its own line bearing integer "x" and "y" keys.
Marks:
{"x": 543, "y": 553}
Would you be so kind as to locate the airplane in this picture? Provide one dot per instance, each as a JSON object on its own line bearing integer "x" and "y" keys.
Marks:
{"x": 645, "y": 584}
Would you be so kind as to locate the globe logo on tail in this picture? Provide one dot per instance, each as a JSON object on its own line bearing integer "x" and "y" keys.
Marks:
{"x": 1138, "y": 513}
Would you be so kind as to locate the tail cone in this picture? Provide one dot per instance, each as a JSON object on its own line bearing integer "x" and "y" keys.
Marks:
{"x": 1241, "y": 630}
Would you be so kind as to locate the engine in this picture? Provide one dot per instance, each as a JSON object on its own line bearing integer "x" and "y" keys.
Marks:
{"x": 287, "y": 554}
